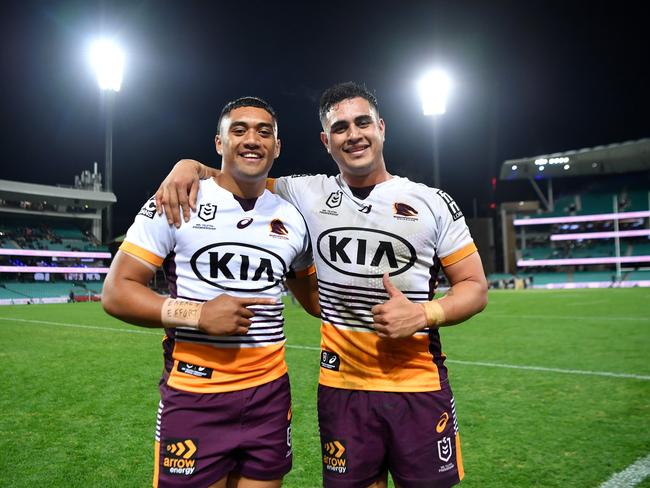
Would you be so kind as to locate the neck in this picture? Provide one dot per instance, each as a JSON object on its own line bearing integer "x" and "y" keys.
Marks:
{"x": 243, "y": 189}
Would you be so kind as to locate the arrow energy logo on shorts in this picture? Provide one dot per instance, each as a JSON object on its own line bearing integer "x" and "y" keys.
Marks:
{"x": 179, "y": 456}
{"x": 334, "y": 458}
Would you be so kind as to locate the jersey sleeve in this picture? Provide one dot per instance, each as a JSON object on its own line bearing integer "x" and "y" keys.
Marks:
{"x": 150, "y": 237}
{"x": 454, "y": 241}
{"x": 289, "y": 188}
{"x": 303, "y": 263}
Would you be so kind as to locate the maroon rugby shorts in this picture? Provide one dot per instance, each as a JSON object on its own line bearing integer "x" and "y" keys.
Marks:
{"x": 364, "y": 434}
{"x": 202, "y": 437}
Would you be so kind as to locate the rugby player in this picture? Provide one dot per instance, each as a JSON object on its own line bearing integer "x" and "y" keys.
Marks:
{"x": 224, "y": 417}
{"x": 384, "y": 399}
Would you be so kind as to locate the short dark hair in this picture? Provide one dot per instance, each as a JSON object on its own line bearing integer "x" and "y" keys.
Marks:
{"x": 344, "y": 91}
{"x": 246, "y": 102}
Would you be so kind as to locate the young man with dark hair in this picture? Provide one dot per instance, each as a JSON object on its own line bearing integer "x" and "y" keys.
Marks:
{"x": 384, "y": 400}
{"x": 224, "y": 416}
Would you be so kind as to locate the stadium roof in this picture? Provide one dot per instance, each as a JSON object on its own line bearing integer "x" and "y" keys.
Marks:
{"x": 624, "y": 157}
{"x": 18, "y": 191}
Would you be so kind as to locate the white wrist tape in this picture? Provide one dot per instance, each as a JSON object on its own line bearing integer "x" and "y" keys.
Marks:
{"x": 434, "y": 313}
{"x": 180, "y": 313}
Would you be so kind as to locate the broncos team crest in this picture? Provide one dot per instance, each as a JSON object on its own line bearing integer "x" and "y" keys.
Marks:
{"x": 207, "y": 211}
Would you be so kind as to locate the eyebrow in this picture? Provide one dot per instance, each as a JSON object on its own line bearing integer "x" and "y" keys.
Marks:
{"x": 340, "y": 124}
{"x": 241, "y": 123}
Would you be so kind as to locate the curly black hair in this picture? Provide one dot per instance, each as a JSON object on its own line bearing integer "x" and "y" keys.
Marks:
{"x": 344, "y": 91}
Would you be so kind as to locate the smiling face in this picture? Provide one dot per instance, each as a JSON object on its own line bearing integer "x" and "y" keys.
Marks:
{"x": 248, "y": 143}
{"x": 353, "y": 134}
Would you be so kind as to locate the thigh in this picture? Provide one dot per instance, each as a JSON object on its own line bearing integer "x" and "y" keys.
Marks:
{"x": 425, "y": 444}
{"x": 196, "y": 435}
{"x": 265, "y": 447}
{"x": 353, "y": 439}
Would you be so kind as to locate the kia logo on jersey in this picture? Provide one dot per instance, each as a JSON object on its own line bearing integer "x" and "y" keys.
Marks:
{"x": 235, "y": 266}
{"x": 355, "y": 251}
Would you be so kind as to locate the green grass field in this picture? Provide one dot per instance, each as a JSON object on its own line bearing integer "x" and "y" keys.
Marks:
{"x": 79, "y": 392}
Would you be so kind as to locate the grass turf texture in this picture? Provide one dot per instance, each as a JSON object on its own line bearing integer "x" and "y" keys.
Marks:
{"x": 78, "y": 401}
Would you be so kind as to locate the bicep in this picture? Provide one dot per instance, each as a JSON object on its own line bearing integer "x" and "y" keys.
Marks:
{"x": 130, "y": 268}
{"x": 469, "y": 268}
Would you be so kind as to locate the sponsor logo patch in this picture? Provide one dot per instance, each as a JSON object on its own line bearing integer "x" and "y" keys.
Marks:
{"x": 198, "y": 371}
{"x": 329, "y": 360}
{"x": 179, "y": 456}
{"x": 149, "y": 208}
{"x": 252, "y": 268}
{"x": 444, "y": 449}
{"x": 453, "y": 207}
{"x": 334, "y": 457}
{"x": 207, "y": 211}
{"x": 366, "y": 253}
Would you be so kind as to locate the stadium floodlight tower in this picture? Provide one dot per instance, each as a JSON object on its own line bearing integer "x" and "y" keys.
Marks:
{"x": 108, "y": 61}
{"x": 434, "y": 89}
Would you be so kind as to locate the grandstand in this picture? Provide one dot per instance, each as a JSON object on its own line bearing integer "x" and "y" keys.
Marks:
{"x": 595, "y": 233}
{"x": 51, "y": 241}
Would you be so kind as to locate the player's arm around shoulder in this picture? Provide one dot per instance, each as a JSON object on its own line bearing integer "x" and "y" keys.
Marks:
{"x": 177, "y": 193}
{"x": 468, "y": 294}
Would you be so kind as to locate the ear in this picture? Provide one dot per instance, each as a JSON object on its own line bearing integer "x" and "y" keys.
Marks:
{"x": 218, "y": 144}
{"x": 324, "y": 139}
{"x": 382, "y": 129}
{"x": 277, "y": 149}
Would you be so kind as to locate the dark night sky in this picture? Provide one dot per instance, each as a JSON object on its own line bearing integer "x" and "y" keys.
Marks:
{"x": 529, "y": 78}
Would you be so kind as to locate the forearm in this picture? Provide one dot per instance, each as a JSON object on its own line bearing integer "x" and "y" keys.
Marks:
{"x": 132, "y": 302}
{"x": 306, "y": 292}
{"x": 205, "y": 172}
{"x": 462, "y": 301}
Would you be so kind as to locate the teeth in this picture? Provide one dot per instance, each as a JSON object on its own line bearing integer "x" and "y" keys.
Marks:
{"x": 250, "y": 155}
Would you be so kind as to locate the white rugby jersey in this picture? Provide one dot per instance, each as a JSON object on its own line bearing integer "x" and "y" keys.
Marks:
{"x": 404, "y": 228}
{"x": 225, "y": 249}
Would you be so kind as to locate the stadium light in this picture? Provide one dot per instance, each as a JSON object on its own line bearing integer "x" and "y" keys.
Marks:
{"x": 107, "y": 59}
{"x": 434, "y": 89}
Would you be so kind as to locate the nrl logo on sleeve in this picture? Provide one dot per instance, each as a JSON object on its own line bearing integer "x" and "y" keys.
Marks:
{"x": 207, "y": 211}
{"x": 453, "y": 207}
{"x": 149, "y": 208}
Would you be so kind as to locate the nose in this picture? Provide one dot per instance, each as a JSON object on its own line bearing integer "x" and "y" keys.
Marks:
{"x": 354, "y": 133}
{"x": 252, "y": 139}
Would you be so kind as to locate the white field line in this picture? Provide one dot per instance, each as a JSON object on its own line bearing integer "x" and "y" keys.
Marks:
{"x": 515, "y": 316}
{"x": 314, "y": 348}
{"x": 630, "y": 476}
{"x": 82, "y": 326}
